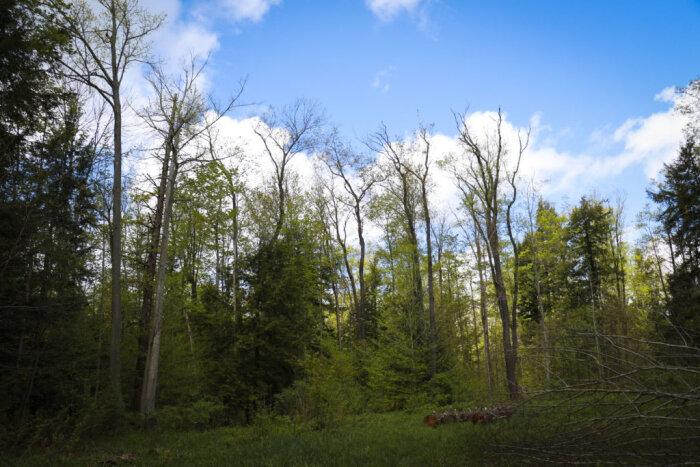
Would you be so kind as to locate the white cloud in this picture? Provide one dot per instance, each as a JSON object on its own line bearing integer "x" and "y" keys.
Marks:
{"x": 248, "y": 10}
{"x": 651, "y": 141}
{"x": 381, "y": 79}
{"x": 234, "y": 133}
{"x": 386, "y": 10}
{"x": 646, "y": 142}
{"x": 668, "y": 94}
{"x": 641, "y": 141}
{"x": 179, "y": 40}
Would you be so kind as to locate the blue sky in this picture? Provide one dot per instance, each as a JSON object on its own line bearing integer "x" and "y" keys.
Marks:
{"x": 588, "y": 75}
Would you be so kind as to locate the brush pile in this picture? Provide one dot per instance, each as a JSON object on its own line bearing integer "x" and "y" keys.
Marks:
{"x": 476, "y": 416}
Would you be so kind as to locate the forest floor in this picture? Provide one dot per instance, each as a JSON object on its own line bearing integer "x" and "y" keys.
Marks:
{"x": 530, "y": 436}
{"x": 398, "y": 438}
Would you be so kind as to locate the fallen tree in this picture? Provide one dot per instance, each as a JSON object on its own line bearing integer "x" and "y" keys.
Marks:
{"x": 476, "y": 416}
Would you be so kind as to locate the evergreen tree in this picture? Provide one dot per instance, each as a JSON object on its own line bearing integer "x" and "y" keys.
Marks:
{"x": 679, "y": 197}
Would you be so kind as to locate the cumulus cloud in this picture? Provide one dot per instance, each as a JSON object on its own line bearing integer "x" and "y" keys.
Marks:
{"x": 386, "y": 10}
{"x": 647, "y": 142}
{"x": 668, "y": 94}
{"x": 238, "y": 134}
{"x": 248, "y": 10}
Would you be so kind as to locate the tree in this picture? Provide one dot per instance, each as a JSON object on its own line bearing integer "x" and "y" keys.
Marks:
{"x": 480, "y": 178}
{"x": 592, "y": 263}
{"x": 403, "y": 189}
{"x": 679, "y": 198}
{"x": 421, "y": 175}
{"x": 474, "y": 240}
{"x": 689, "y": 105}
{"x": 340, "y": 159}
{"x": 45, "y": 214}
{"x": 176, "y": 114}
{"x": 285, "y": 134}
{"x": 534, "y": 250}
{"x": 104, "y": 47}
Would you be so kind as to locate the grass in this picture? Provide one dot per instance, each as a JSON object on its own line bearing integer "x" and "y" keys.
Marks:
{"x": 388, "y": 439}
{"x": 398, "y": 438}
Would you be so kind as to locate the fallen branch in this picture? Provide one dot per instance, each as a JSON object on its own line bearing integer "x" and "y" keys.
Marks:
{"x": 476, "y": 416}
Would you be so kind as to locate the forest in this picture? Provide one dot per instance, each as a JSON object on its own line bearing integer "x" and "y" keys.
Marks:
{"x": 222, "y": 287}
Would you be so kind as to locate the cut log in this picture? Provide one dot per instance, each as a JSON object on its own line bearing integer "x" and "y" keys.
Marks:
{"x": 476, "y": 416}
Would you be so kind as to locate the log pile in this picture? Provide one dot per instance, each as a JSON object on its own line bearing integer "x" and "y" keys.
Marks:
{"x": 476, "y": 416}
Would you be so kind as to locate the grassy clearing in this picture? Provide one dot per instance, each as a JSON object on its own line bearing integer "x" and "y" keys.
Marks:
{"x": 400, "y": 438}
{"x": 387, "y": 439}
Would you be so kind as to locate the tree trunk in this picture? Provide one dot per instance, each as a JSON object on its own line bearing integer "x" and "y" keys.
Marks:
{"x": 516, "y": 265}
{"x": 234, "y": 269}
{"x": 116, "y": 333}
{"x": 337, "y": 315}
{"x": 540, "y": 307}
{"x": 348, "y": 269}
{"x": 149, "y": 277}
{"x": 150, "y": 377}
{"x": 502, "y": 299}
{"x": 431, "y": 292}
{"x": 413, "y": 239}
{"x": 484, "y": 316}
{"x": 361, "y": 273}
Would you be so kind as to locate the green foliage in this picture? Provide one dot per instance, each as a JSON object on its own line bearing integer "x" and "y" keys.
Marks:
{"x": 329, "y": 392}
{"x": 198, "y": 415}
{"x": 678, "y": 196}
{"x": 45, "y": 215}
{"x": 588, "y": 238}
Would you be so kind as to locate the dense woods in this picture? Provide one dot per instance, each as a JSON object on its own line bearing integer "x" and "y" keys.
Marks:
{"x": 220, "y": 284}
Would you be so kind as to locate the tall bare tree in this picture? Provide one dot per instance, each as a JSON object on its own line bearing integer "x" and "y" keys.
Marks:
{"x": 105, "y": 43}
{"x": 421, "y": 174}
{"x": 397, "y": 155}
{"x": 177, "y": 114}
{"x": 358, "y": 179}
{"x": 473, "y": 238}
{"x": 480, "y": 177}
{"x": 285, "y": 134}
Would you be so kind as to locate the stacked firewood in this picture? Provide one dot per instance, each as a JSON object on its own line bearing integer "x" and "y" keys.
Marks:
{"x": 476, "y": 416}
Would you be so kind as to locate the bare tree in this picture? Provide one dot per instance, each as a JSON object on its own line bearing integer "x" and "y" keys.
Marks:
{"x": 285, "y": 134}
{"x": 421, "y": 174}
{"x": 642, "y": 412}
{"x": 356, "y": 174}
{"x": 480, "y": 177}
{"x": 177, "y": 114}
{"x": 398, "y": 154}
{"x": 104, "y": 46}
{"x": 321, "y": 201}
